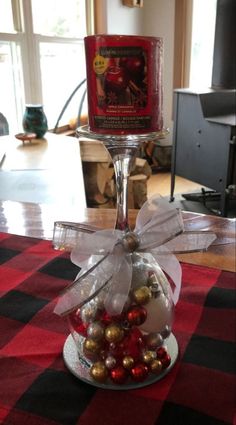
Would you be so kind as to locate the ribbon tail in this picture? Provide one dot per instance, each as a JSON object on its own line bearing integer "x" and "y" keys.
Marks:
{"x": 172, "y": 268}
{"x": 72, "y": 297}
{"x": 190, "y": 242}
{"x": 87, "y": 284}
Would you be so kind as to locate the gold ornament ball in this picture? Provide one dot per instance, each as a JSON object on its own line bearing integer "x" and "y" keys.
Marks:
{"x": 156, "y": 366}
{"x": 98, "y": 372}
{"x": 91, "y": 345}
{"x": 114, "y": 333}
{"x": 149, "y": 356}
{"x": 128, "y": 362}
{"x": 142, "y": 295}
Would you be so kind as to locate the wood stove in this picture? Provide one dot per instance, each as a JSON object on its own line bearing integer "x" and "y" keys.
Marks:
{"x": 204, "y": 142}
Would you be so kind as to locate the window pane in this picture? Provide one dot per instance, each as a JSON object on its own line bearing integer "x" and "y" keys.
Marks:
{"x": 62, "y": 68}
{"x": 203, "y": 34}
{"x": 62, "y": 18}
{"x": 6, "y": 18}
{"x": 11, "y": 85}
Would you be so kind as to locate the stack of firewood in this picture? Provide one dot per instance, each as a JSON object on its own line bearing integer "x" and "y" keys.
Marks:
{"x": 99, "y": 177}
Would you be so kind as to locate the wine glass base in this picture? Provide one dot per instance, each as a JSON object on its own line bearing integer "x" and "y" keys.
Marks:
{"x": 79, "y": 366}
{"x": 121, "y": 140}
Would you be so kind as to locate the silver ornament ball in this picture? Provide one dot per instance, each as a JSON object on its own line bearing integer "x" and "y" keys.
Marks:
{"x": 154, "y": 340}
{"x": 95, "y": 331}
{"x": 110, "y": 362}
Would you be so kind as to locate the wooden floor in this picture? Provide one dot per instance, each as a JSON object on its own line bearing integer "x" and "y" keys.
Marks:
{"x": 159, "y": 183}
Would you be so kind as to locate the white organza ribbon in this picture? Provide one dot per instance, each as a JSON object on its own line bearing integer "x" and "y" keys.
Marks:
{"x": 105, "y": 256}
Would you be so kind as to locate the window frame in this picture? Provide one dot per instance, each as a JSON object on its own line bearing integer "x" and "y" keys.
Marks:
{"x": 29, "y": 43}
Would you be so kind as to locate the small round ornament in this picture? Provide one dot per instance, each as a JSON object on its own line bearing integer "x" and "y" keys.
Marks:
{"x": 156, "y": 366}
{"x": 99, "y": 301}
{"x": 165, "y": 361}
{"x": 130, "y": 242}
{"x": 76, "y": 324}
{"x": 153, "y": 340}
{"x": 136, "y": 315}
{"x": 139, "y": 372}
{"x": 128, "y": 362}
{"x": 91, "y": 346}
{"x": 161, "y": 352}
{"x": 166, "y": 332}
{"x": 95, "y": 331}
{"x": 99, "y": 372}
{"x": 142, "y": 295}
{"x": 88, "y": 312}
{"x": 133, "y": 343}
{"x": 106, "y": 319}
{"x": 149, "y": 356}
{"x": 139, "y": 270}
{"x": 119, "y": 303}
{"x": 110, "y": 362}
{"x": 159, "y": 314}
{"x": 119, "y": 374}
{"x": 114, "y": 333}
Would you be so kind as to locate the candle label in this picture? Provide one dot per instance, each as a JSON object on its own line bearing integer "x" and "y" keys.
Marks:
{"x": 122, "y": 85}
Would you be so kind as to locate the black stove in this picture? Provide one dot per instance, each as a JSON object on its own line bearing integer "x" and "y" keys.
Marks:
{"x": 204, "y": 142}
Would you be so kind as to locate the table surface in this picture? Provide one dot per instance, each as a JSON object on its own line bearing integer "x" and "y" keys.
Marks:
{"x": 37, "y": 221}
{"x": 50, "y": 152}
{"x": 45, "y": 170}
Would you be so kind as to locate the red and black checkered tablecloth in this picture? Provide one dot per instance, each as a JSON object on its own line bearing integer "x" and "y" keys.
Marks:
{"x": 37, "y": 389}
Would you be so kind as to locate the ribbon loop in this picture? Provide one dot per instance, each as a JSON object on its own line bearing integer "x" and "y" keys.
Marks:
{"x": 106, "y": 261}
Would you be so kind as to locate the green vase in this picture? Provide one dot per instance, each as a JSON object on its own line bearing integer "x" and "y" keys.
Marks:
{"x": 35, "y": 120}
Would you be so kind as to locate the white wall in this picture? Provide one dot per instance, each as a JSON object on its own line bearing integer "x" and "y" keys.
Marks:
{"x": 155, "y": 18}
{"x": 158, "y": 20}
{"x": 122, "y": 19}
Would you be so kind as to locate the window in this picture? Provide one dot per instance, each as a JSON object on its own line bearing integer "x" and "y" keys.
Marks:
{"x": 203, "y": 34}
{"x": 41, "y": 57}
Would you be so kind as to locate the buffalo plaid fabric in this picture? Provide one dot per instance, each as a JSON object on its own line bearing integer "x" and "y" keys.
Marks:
{"x": 35, "y": 386}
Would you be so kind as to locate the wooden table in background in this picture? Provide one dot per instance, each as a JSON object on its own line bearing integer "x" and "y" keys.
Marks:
{"x": 47, "y": 170}
{"x": 52, "y": 152}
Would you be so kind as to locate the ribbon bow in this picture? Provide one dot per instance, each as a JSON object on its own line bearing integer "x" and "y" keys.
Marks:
{"x": 105, "y": 256}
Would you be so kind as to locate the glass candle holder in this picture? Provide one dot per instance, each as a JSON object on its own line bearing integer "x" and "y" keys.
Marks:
{"x": 121, "y": 334}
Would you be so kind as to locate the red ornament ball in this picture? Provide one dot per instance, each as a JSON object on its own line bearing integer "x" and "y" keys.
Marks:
{"x": 139, "y": 372}
{"x": 166, "y": 361}
{"x": 161, "y": 353}
{"x": 118, "y": 375}
{"x": 76, "y": 323}
{"x": 106, "y": 318}
{"x": 131, "y": 345}
{"x": 136, "y": 315}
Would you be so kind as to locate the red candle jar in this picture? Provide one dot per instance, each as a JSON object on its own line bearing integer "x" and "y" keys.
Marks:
{"x": 124, "y": 83}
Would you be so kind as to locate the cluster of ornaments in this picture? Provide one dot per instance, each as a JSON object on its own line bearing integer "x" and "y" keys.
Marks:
{"x": 130, "y": 346}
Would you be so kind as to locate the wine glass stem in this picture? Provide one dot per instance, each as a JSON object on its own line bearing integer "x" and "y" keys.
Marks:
{"x": 122, "y": 165}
